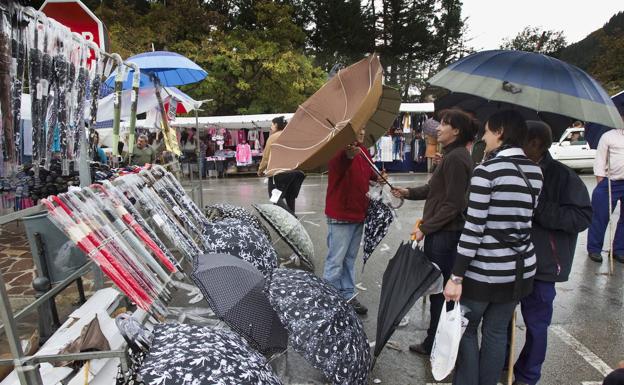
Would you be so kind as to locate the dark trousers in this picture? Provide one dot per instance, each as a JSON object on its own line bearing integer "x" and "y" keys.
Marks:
{"x": 537, "y": 311}
{"x": 483, "y": 366}
{"x": 289, "y": 183}
{"x": 440, "y": 248}
{"x": 600, "y": 217}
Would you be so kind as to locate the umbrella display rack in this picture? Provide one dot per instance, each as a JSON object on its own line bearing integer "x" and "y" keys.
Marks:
{"x": 27, "y": 367}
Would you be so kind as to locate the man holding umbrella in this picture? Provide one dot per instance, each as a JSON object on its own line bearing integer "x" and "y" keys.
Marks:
{"x": 345, "y": 206}
{"x": 562, "y": 212}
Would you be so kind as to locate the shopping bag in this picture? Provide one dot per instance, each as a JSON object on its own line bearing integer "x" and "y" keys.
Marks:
{"x": 446, "y": 344}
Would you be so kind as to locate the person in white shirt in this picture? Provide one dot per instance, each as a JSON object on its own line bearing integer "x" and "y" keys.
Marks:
{"x": 608, "y": 165}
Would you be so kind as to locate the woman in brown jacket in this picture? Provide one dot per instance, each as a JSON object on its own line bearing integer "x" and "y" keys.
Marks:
{"x": 446, "y": 200}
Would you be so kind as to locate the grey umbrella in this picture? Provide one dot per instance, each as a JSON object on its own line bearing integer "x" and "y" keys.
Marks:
{"x": 291, "y": 231}
{"x": 234, "y": 290}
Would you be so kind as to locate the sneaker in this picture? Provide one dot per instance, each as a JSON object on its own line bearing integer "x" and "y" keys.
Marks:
{"x": 596, "y": 257}
{"x": 420, "y": 349}
{"x": 358, "y": 307}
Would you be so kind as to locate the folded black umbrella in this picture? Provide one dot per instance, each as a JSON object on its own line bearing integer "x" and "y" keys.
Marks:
{"x": 377, "y": 224}
{"x": 187, "y": 354}
{"x": 234, "y": 290}
{"x": 323, "y": 328}
{"x": 408, "y": 276}
{"x": 242, "y": 240}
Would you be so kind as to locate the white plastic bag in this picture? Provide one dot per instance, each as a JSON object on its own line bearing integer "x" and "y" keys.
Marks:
{"x": 446, "y": 344}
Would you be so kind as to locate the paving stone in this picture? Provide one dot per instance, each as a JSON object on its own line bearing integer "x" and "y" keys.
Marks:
{"x": 23, "y": 264}
{"x": 15, "y": 252}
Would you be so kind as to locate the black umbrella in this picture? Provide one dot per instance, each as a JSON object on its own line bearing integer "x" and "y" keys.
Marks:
{"x": 220, "y": 211}
{"x": 322, "y": 326}
{"x": 483, "y": 108}
{"x": 379, "y": 216}
{"x": 188, "y": 355}
{"x": 234, "y": 290}
{"x": 237, "y": 238}
{"x": 408, "y": 276}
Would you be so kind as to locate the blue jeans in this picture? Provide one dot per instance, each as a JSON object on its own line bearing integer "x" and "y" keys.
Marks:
{"x": 537, "y": 311}
{"x": 600, "y": 217}
{"x": 483, "y": 366}
{"x": 440, "y": 248}
{"x": 343, "y": 243}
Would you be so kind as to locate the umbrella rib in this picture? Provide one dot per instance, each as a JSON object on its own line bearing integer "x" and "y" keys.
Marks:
{"x": 344, "y": 93}
{"x": 316, "y": 120}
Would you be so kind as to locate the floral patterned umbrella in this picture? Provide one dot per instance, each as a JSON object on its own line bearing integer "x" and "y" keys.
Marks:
{"x": 191, "y": 355}
{"x": 237, "y": 238}
{"x": 291, "y": 231}
{"x": 220, "y": 211}
{"x": 321, "y": 325}
{"x": 379, "y": 216}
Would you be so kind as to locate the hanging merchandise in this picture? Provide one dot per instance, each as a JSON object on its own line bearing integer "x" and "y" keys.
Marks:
{"x": 117, "y": 103}
{"x": 35, "y": 57}
{"x": 18, "y": 54}
{"x": 6, "y": 108}
{"x": 134, "y": 101}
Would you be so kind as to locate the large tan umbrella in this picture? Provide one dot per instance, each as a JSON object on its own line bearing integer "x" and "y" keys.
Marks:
{"x": 329, "y": 120}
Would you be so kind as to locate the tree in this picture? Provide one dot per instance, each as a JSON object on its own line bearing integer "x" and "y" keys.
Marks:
{"x": 256, "y": 71}
{"x": 536, "y": 39}
{"x": 607, "y": 68}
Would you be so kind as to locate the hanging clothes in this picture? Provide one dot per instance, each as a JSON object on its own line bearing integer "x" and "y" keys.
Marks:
{"x": 407, "y": 123}
{"x": 243, "y": 155}
{"x": 242, "y": 136}
{"x": 384, "y": 149}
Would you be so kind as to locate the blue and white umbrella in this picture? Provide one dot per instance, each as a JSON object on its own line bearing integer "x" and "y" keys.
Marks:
{"x": 537, "y": 82}
{"x": 171, "y": 69}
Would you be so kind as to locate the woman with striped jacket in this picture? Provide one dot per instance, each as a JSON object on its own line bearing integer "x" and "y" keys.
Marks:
{"x": 495, "y": 262}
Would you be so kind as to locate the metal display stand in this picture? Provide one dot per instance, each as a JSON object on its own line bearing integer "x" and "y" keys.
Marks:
{"x": 27, "y": 367}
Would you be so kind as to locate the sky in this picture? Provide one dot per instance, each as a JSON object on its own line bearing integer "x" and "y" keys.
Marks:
{"x": 490, "y": 21}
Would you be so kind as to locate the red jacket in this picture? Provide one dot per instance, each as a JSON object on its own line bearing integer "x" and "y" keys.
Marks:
{"x": 347, "y": 186}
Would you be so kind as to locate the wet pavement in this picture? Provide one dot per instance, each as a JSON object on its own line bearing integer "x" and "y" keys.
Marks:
{"x": 586, "y": 339}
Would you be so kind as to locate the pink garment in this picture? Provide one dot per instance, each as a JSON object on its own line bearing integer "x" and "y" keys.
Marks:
{"x": 242, "y": 136}
{"x": 243, "y": 155}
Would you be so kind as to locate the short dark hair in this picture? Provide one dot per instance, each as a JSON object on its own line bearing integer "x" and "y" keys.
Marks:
{"x": 512, "y": 124}
{"x": 280, "y": 122}
{"x": 461, "y": 121}
{"x": 536, "y": 129}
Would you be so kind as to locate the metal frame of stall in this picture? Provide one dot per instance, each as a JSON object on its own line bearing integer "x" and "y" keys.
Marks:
{"x": 27, "y": 367}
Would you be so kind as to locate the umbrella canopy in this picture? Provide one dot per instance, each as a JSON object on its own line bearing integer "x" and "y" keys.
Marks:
{"x": 146, "y": 101}
{"x": 291, "y": 231}
{"x": 322, "y": 326}
{"x": 484, "y": 108}
{"x": 187, "y": 354}
{"x": 379, "y": 216}
{"x": 237, "y": 238}
{"x": 171, "y": 69}
{"x": 408, "y": 276}
{"x": 234, "y": 290}
{"x": 594, "y": 131}
{"x": 535, "y": 81}
{"x": 220, "y": 211}
{"x": 330, "y": 119}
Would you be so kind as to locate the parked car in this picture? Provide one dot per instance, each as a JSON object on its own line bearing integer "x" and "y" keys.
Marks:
{"x": 573, "y": 150}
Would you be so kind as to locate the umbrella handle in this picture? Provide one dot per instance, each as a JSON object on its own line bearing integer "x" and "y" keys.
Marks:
{"x": 370, "y": 163}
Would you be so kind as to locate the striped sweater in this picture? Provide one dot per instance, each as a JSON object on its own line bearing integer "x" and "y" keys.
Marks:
{"x": 495, "y": 254}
